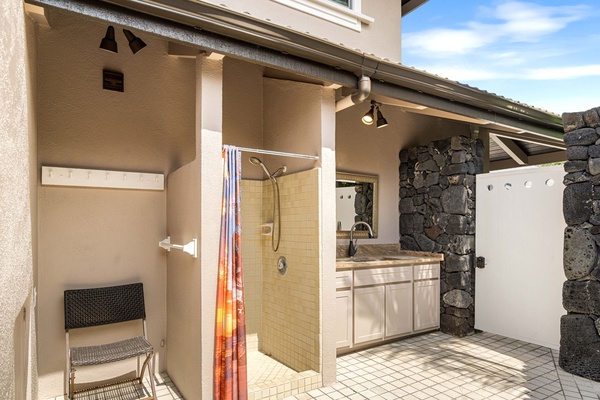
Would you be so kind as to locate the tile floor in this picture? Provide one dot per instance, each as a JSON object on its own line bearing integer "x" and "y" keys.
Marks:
{"x": 438, "y": 366}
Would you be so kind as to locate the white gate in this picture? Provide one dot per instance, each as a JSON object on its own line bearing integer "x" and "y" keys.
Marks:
{"x": 520, "y": 233}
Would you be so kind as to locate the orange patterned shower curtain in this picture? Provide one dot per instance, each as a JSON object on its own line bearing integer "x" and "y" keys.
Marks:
{"x": 230, "y": 378}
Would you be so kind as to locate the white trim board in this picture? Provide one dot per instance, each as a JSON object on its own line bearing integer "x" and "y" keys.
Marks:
{"x": 62, "y": 176}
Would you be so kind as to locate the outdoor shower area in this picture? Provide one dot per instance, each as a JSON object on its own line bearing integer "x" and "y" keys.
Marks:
{"x": 162, "y": 124}
{"x": 282, "y": 288}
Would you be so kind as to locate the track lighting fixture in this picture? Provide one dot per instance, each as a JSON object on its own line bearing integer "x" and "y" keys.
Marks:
{"x": 135, "y": 43}
{"x": 369, "y": 117}
{"x": 381, "y": 122}
{"x": 109, "y": 43}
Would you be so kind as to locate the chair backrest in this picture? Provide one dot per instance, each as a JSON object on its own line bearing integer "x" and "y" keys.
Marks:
{"x": 105, "y": 305}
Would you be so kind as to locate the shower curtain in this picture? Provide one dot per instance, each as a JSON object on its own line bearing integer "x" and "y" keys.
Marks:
{"x": 230, "y": 376}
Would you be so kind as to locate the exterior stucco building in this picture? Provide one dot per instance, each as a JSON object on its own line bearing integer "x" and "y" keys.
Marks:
{"x": 281, "y": 75}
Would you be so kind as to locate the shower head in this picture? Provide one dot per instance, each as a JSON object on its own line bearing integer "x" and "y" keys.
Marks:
{"x": 281, "y": 170}
{"x": 256, "y": 161}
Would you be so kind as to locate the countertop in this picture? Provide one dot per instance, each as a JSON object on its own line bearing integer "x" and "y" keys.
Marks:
{"x": 388, "y": 260}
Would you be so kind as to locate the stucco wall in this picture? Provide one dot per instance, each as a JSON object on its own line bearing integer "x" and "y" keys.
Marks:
{"x": 16, "y": 267}
{"x": 381, "y": 37}
{"x": 95, "y": 237}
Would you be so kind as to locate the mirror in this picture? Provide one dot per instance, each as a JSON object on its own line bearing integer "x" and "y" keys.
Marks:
{"x": 356, "y": 200}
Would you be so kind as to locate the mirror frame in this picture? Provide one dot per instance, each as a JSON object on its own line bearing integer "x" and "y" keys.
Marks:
{"x": 369, "y": 179}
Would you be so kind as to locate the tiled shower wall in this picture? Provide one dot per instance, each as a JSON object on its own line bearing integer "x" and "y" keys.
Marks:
{"x": 282, "y": 312}
{"x": 251, "y": 206}
{"x": 291, "y": 323}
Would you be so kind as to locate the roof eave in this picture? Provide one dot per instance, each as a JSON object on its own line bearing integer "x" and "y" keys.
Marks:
{"x": 212, "y": 18}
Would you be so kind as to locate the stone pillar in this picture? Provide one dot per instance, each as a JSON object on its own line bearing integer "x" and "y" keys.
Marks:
{"x": 437, "y": 214}
{"x": 580, "y": 328}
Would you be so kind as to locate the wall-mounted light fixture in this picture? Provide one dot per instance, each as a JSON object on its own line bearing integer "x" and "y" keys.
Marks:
{"x": 109, "y": 43}
{"x": 369, "y": 116}
{"x": 381, "y": 122}
{"x": 135, "y": 43}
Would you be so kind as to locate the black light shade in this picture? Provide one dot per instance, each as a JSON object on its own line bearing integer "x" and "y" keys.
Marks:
{"x": 135, "y": 43}
{"x": 108, "y": 42}
{"x": 369, "y": 117}
{"x": 381, "y": 122}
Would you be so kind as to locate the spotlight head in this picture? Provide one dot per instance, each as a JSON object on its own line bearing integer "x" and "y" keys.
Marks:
{"x": 369, "y": 117}
{"x": 135, "y": 43}
{"x": 381, "y": 122}
{"x": 109, "y": 43}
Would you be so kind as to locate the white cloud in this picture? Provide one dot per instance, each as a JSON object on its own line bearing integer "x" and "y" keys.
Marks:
{"x": 512, "y": 21}
{"x": 569, "y": 72}
{"x": 435, "y": 42}
{"x": 529, "y": 22}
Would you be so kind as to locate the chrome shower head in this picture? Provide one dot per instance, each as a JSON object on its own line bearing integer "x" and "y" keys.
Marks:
{"x": 256, "y": 161}
{"x": 280, "y": 171}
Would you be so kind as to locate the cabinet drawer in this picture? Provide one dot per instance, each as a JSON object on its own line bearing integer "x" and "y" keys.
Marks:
{"x": 343, "y": 279}
{"x": 427, "y": 271}
{"x": 375, "y": 276}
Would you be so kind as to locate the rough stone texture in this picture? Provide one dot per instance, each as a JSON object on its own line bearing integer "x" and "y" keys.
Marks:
{"x": 576, "y": 166}
{"x": 457, "y": 298}
{"x": 577, "y": 207}
{"x": 594, "y": 166}
{"x": 592, "y": 117}
{"x": 581, "y": 137}
{"x": 572, "y": 121}
{"x": 580, "y": 328}
{"x": 459, "y": 280}
{"x": 578, "y": 152}
{"x": 459, "y": 326}
{"x": 580, "y": 252}
{"x": 579, "y": 346}
{"x": 454, "y": 200}
{"x": 443, "y": 219}
{"x": 582, "y": 297}
{"x": 593, "y": 151}
{"x": 456, "y": 263}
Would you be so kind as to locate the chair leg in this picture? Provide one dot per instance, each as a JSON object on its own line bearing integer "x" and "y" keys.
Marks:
{"x": 151, "y": 372}
{"x": 149, "y": 362}
{"x": 71, "y": 383}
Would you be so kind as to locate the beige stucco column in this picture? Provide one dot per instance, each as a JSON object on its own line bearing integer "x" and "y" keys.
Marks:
{"x": 328, "y": 237}
{"x": 194, "y": 209}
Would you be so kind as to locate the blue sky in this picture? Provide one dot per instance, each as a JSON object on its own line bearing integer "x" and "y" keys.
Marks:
{"x": 543, "y": 53}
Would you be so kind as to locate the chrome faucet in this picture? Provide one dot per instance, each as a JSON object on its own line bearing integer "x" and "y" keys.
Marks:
{"x": 352, "y": 248}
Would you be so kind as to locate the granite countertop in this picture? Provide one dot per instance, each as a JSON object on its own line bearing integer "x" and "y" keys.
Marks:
{"x": 384, "y": 256}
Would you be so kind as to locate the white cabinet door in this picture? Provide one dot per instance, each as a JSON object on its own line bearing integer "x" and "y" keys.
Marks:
{"x": 369, "y": 313}
{"x": 343, "y": 318}
{"x": 398, "y": 309}
{"x": 427, "y": 304}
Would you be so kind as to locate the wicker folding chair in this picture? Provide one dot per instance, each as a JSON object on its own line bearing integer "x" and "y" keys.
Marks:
{"x": 101, "y": 306}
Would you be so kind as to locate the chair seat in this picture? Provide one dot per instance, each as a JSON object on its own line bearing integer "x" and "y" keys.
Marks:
{"x": 106, "y": 353}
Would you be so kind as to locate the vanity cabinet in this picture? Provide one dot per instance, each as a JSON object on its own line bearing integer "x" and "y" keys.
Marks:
{"x": 343, "y": 309}
{"x": 385, "y": 302}
{"x": 398, "y": 309}
{"x": 369, "y": 313}
{"x": 426, "y": 296}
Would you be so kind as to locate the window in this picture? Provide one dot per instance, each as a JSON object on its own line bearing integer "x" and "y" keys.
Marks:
{"x": 342, "y": 2}
{"x": 342, "y": 12}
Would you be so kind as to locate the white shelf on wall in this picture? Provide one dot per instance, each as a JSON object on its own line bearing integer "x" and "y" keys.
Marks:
{"x": 61, "y": 176}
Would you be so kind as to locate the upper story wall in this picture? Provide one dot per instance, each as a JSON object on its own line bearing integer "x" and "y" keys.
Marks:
{"x": 373, "y": 27}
